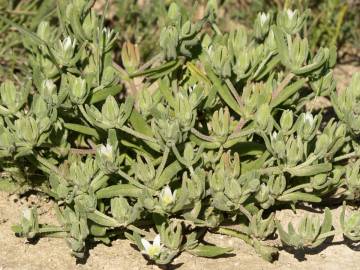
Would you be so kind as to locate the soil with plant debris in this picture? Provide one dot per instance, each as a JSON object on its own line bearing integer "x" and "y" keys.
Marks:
{"x": 51, "y": 254}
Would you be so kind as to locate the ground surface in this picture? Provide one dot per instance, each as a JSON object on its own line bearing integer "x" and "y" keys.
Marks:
{"x": 53, "y": 254}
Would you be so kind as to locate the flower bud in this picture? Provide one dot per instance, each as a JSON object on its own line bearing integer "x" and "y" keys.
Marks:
{"x": 77, "y": 89}
{"x": 146, "y": 102}
{"x": 64, "y": 51}
{"x": 130, "y": 57}
{"x": 221, "y": 61}
{"x": 286, "y": 120}
{"x": 263, "y": 117}
{"x": 291, "y": 21}
{"x": 110, "y": 111}
{"x": 220, "y": 123}
{"x": 169, "y": 41}
{"x": 262, "y": 25}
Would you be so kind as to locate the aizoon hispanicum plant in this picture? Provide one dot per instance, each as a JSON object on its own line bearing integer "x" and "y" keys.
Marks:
{"x": 213, "y": 129}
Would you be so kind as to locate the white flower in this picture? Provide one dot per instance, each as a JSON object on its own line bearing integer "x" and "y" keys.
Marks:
{"x": 106, "y": 151}
{"x": 27, "y": 214}
{"x": 108, "y": 33}
{"x": 263, "y": 18}
{"x": 166, "y": 196}
{"x": 49, "y": 86}
{"x": 152, "y": 250}
{"x": 290, "y": 13}
{"x": 192, "y": 88}
{"x": 274, "y": 135}
{"x": 309, "y": 118}
{"x": 210, "y": 50}
{"x": 68, "y": 44}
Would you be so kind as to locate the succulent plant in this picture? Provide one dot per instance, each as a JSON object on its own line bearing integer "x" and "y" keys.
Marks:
{"x": 213, "y": 128}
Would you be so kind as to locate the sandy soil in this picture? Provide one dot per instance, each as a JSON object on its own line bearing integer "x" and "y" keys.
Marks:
{"x": 53, "y": 254}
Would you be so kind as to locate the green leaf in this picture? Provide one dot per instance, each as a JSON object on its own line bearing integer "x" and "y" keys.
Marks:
{"x": 139, "y": 124}
{"x": 167, "y": 175}
{"x": 126, "y": 190}
{"x": 256, "y": 164}
{"x": 287, "y": 92}
{"x": 223, "y": 91}
{"x": 167, "y": 93}
{"x": 281, "y": 45}
{"x": 299, "y": 196}
{"x": 310, "y": 170}
{"x": 83, "y": 130}
{"x": 157, "y": 72}
{"x": 102, "y": 219}
{"x": 104, "y": 93}
{"x": 209, "y": 251}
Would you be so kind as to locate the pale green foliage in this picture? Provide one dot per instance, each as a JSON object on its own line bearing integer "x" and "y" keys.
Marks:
{"x": 213, "y": 129}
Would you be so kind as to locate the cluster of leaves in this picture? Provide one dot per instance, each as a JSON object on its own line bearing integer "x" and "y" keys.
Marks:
{"x": 213, "y": 129}
{"x": 29, "y": 14}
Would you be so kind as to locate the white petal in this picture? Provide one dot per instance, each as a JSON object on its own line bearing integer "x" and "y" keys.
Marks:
{"x": 309, "y": 118}
{"x": 27, "y": 213}
{"x": 145, "y": 244}
{"x": 157, "y": 240}
{"x": 290, "y": 13}
{"x": 102, "y": 149}
{"x": 167, "y": 191}
{"x": 109, "y": 148}
{"x": 263, "y": 17}
{"x": 67, "y": 43}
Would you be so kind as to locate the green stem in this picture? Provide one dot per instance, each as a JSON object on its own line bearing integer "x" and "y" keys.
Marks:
{"x": 216, "y": 29}
{"x": 245, "y": 212}
{"x": 234, "y": 92}
{"x": 150, "y": 62}
{"x": 138, "y": 230}
{"x": 271, "y": 170}
{"x": 50, "y": 229}
{"x": 202, "y": 136}
{"x": 178, "y": 156}
{"x": 137, "y": 134}
{"x": 346, "y": 156}
{"x": 161, "y": 167}
{"x": 131, "y": 180}
{"x": 234, "y": 233}
{"x": 296, "y": 188}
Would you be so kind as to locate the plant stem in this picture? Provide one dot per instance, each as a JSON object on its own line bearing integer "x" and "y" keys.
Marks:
{"x": 202, "y": 136}
{"x": 138, "y": 230}
{"x": 82, "y": 151}
{"x": 283, "y": 84}
{"x": 234, "y": 233}
{"x": 346, "y": 156}
{"x": 150, "y": 62}
{"x": 216, "y": 29}
{"x": 234, "y": 92}
{"x": 290, "y": 190}
{"x": 131, "y": 180}
{"x": 245, "y": 212}
{"x": 163, "y": 162}
{"x": 138, "y": 134}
